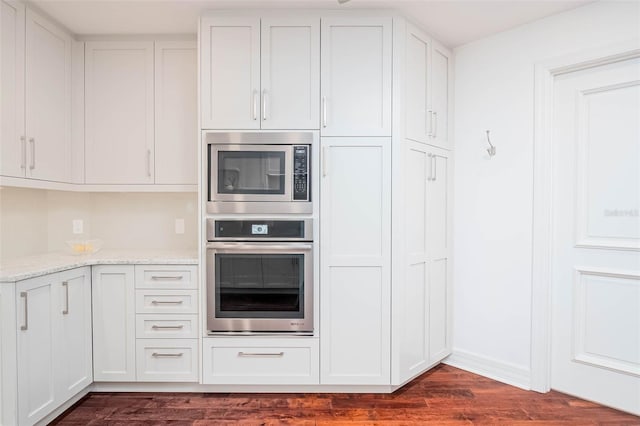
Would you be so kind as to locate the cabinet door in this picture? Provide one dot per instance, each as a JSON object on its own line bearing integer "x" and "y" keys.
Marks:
{"x": 119, "y": 112}
{"x": 176, "y": 122}
{"x": 13, "y": 156}
{"x": 438, "y": 234}
{"x": 113, "y": 301}
{"x": 290, "y": 73}
{"x": 355, "y": 260}
{"x": 37, "y": 364}
{"x": 417, "y": 85}
{"x": 440, "y": 101}
{"x": 48, "y": 99}
{"x": 74, "y": 364}
{"x": 230, "y": 73}
{"x": 356, "y": 77}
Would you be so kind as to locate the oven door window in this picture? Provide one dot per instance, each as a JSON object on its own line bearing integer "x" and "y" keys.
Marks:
{"x": 251, "y": 172}
{"x": 259, "y": 285}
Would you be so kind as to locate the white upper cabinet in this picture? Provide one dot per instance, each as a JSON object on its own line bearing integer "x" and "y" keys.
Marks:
{"x": 176, "y": 116}
{"x": 230, "y": 86}
{"x": 12, "y": 137}
{"x": 119, "y": 112}
{"x": 427, "y": 93}
{"x": 356, "y": 77}
{"x": 260, "y": 73}
{"x": 36, "y": 96}
{"x": 440, "y": 96}
{"x": 290, "y": 73}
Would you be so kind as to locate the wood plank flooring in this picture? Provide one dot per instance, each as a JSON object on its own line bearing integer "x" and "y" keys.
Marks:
{"x": 442, "y": 396}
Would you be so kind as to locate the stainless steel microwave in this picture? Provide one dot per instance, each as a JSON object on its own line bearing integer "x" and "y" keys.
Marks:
{"x": 259, "y": 172}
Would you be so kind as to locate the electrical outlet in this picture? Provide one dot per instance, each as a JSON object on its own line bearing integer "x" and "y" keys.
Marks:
{"x": 179, "y": 226}
{"x": 78, "y": 226}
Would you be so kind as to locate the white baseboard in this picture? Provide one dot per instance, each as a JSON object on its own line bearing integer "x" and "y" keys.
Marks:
{"x": 491, "y": 368}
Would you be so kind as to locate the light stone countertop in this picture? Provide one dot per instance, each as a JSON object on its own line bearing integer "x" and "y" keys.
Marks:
{"x": 34, "y": 266}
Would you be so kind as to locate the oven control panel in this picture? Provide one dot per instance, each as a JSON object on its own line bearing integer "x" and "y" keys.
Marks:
{"x": 301, "y": 173}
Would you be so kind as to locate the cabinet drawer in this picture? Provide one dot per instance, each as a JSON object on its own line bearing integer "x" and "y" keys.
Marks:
{"x": 166, "y": 301}
{"x": 154, "y": 326}
{"x": 260, "y": 361}
{"x": 166, "y": 276}
{"x": 167, "y": 360}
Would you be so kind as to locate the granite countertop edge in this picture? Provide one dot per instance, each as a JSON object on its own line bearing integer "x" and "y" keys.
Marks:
{"x": 35, "y": 266}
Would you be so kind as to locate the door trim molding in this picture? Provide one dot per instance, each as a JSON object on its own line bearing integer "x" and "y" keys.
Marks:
{"x": 542, "y": 250}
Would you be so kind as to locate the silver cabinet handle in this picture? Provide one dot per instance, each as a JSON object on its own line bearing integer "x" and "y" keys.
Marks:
{"x": 161, "y": 355}
{"x": 167, "y": 327}
{"x": 25, "y": 326}
{"x": 435, "y": 124}
{"x": 166, "y": 302}
{"x": 430, "y": 175}
{"x": 148, "y": 163}
{"x": 434, "y": 170}
{"x": 255, "y": 104}
{"x": 325, "y": 162}
{"x": 65, "y": 311}
{"x": 430, "y": 123}
{"x": 23, "y": 152}
{"x": 264, "y": 105}
{"x": 324, "y": 111}
{"x": 32, "y": 141}
{"x": 261, "y": 354}
{"x": 166, "y": 277}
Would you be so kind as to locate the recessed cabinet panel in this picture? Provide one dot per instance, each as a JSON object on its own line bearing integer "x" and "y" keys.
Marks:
{"x": 438, "y": 206}
{"x": 438, "y": 310}
{"x": 48, "y": 100}
{"x": 440, "y": 96}
{"x": 119, "y": 112}
{"x": 230, "y": 86}
{"x": 12, "y": 133}
{"x": 417, "y": 86}
{"x": 290, "y": 73}
{"x": 356, "y": 77}
{"x": 176, "y": 116}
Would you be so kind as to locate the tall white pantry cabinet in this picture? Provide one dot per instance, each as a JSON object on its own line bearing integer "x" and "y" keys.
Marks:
{"x": 385, "y": 172}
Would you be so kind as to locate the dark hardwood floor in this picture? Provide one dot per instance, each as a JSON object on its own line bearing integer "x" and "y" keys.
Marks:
{"x": 442, "y": 396}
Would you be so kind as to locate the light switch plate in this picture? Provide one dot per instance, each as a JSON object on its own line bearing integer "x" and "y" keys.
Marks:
{"x": 78, "y": 226}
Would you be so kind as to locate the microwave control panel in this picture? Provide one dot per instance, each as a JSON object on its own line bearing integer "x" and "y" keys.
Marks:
{"x": 301, "y": 173}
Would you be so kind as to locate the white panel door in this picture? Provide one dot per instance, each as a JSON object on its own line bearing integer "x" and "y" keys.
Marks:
{"x": 440, "y": 102}
{"x": 417, "y": 85}
{"x": 48, "y": 99}
{"x": 73, "y": 310}
{"x": 119, "y": 115}
{"x": 596, "y": 235}
{"x": 176, "y": 113}
{"x": 36, "y": 301}
{"x": 13, "y": 155}
{"x": 230, "y": 73}
{"x": 355, "y": 241}
{"x": 356, "y": 77}
{"x": 290, "y": 57}
{"x": 113, "y": 301}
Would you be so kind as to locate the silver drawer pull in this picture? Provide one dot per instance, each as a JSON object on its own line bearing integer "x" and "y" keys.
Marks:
{"x": 65, "y": 311}
{"x": 166, "y": 302}
{"x": 161, "y": 355}
{"x": 25, "y": 326}
{"x": 167, "y": 327}
{"x": 261, "y": 354}
{"x": 166, "y": 278}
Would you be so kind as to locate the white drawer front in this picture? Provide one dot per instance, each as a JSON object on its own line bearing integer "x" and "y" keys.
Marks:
{"x": 167, "y": 301}
{"x": 263, "y": 363}
{"x": 152, "y": 326}
{"x": 166, "y": 276}
{"x": 165, "y": 360}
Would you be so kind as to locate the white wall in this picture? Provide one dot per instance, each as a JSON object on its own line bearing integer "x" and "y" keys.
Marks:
{"x": 493, "y": 200}
{"x": 39, "y": 221}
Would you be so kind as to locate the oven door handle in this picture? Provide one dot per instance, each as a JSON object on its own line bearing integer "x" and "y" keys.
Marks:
{"x": 235, "y": 247}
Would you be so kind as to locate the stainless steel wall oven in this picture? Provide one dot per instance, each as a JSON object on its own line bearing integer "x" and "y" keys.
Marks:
{"x": 259, "y": 172}
{"x": 259, "y": 276}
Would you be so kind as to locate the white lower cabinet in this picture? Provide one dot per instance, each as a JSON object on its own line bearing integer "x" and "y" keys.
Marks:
{"x": 167, "y": 360}
{"x": 260, "y": 361}
{"x": 47, "y": 321}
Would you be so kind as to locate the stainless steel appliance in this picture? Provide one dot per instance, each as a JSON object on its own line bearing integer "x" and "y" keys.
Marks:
{"x": 259, "y": 172}
{"x": 259, "y": 276}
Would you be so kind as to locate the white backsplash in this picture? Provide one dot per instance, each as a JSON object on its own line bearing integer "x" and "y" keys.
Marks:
{"x": 40, "y": 221}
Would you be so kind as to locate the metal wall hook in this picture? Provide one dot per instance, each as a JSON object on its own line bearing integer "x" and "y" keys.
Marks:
{"x": 492, "y": 149}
